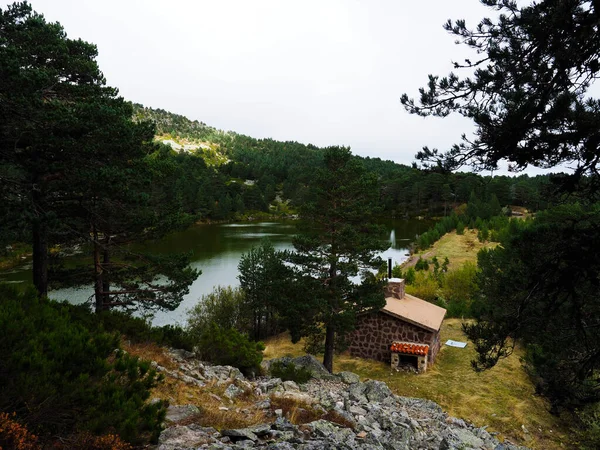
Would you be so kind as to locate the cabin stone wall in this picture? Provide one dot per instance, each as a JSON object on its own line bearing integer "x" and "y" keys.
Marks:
{"x": 375, "y": 332}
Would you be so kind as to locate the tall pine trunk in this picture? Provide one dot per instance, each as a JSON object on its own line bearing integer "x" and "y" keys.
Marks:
{"x": 106, "y": 271}
{"x": 40, "y": 255}
{"x": 40, "y": 239}
{"x": 98, "y": 282}
{"x": 329, "y": 347}
{"x": 330, "y": 327}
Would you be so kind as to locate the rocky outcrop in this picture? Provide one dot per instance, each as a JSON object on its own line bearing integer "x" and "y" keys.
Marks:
{"x": 351, "y": 415}
{"x": 308, "y": 362}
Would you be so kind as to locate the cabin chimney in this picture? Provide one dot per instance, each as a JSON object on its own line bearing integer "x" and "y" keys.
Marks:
{"x": 395, "y": 288}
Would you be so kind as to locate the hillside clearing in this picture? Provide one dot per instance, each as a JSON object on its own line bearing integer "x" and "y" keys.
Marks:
{"x": 457, "y": 248}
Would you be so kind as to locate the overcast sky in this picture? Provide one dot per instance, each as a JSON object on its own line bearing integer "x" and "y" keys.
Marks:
{"x": 326, "y": 72}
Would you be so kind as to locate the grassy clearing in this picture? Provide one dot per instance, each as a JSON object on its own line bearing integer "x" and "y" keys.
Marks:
{"x": 457, "y": 248}
{"x": 502, "y": 398}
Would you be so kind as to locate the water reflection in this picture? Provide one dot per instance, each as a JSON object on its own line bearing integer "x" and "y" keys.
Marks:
{"x": 216, "y": 250}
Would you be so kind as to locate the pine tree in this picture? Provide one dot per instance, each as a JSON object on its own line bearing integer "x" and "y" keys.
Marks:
{"x": 338, "y": 242}
{"x": 75, "y": 162}
{"x": 529, "y": 92}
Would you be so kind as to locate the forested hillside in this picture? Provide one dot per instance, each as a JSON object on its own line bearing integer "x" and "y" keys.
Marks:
{"x": 82, "y": 168}
{"x": 250, "y": 174}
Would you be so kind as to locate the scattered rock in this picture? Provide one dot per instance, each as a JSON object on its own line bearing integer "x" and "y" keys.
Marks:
{"x": 177, "y": 413}
{"x": 348, "y": 377}
{"x": 309, "y": 362}
{"x": 233, "y": 391}
{"x": 377, "y": 391}
{"x": 183, "y": 437}
{"x": 290, "y": 386}
{"x": 359, "y": 415}
{"x": 269, "y": 384}
{"x": 240, "y": 434}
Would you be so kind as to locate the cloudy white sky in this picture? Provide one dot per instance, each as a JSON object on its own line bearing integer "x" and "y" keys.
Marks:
{"x": 327, "y": 72}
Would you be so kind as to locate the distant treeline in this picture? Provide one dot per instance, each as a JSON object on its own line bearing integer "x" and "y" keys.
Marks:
{"x": 256, "y": 173}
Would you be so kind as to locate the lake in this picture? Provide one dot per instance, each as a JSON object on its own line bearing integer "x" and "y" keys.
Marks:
{"x": 216, "y": 250}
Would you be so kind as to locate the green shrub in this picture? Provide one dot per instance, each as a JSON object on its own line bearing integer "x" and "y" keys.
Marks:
{"x": 422, "y": 264}
{"x": 136, "y": 329}
{"x": 397, "y": 271}
{"x": 290, "y": 372}
{"x": 459, "y": 288}
{"x": 175, "y": 336}
{"x": 314, "y": 344}
{"x": 425, "y": 286}
{"x": 59, "y": 377}
{"x": 460, "y": 228}
{"x": 224, "y": 306}
{"x": 484, "y": 233}
{"x": 227, "y": 346}
{"x": 589, "y": 427}
{"x": 410, "y": 275}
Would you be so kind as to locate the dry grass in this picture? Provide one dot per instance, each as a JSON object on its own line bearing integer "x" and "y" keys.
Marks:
{"x": 150, "y": 352}
{"x": 281, "y": 345}
{"x": 295, "y": 410}
{"x": 502, "y": 398}
{"x": 335, "y": 417}
{"x": 457, "y": 248}
{"x": 216, "y": 410}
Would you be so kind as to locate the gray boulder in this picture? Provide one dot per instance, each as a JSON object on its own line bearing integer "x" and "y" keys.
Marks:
{"x": 177, "y": 413}
{"x": 290, "y": 386}
{"x": 309, "y": 362}
{"x": 240, "y": 434}
{"x": 315, "y": 366}
{"x": 377, "y": 391}
{"x": 233, "y": 391}
{"x": 185, "y": 437}
{"x": 356, "y": 393}
{"x": 348, "y": 377}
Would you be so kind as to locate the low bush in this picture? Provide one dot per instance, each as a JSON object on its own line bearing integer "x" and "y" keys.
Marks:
{"x": 290, "y": 372}
{"x": 314, "y": 344}
{"x": 589, "y": 427}
{"x": 15, "y": 436}
{"x": 459, "y": 288}
{"x": 424, "y": 286}
{"x": 227, "y": 346}
{"x": 224, "y": 306}
{"x": 59, "y": 377}
{"x": 421, "y": 264}
{"x": 87, "y": 441}
{"x": 136, "y": 329}
{"x": 410, "y": 275}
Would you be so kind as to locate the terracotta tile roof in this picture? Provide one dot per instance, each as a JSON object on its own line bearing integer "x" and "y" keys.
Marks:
{"x": 410, "y": 348}
{"x": 416, "y": 311}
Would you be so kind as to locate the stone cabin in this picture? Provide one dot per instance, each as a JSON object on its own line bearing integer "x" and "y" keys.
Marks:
{"x": 406, "y": 331}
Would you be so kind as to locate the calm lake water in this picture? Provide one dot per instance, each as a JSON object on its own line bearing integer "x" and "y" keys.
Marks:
{"x": 216, "y": 250}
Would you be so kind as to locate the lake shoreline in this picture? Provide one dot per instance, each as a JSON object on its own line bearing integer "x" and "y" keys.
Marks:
{"x": 216, "y": 249}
